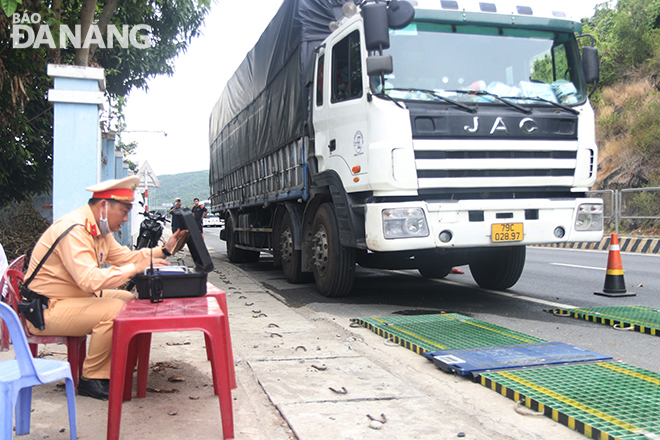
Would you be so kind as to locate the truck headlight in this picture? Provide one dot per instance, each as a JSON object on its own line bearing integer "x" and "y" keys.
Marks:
{"x": 589, "y": 217}
{"x": 404, "y": 223}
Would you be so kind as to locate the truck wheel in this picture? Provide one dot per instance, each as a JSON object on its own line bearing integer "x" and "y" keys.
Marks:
{"x": 434, "y": 271}
{"x": 333, "y": 264}
{"x": 499, "y": 269}
{"x": 289, "y": 256}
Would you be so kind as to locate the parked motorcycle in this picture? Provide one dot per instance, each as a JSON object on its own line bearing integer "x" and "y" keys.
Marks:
{"x": 151, "y": 229}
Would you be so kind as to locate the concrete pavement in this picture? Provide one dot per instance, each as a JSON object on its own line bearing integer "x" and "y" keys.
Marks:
{"x": 300, "y": 375}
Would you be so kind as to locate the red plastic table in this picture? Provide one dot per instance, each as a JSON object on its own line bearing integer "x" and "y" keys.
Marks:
{"x": 134, "y": 324}
{"x": 144, "y": 346}
{"x": 221, "y": 297}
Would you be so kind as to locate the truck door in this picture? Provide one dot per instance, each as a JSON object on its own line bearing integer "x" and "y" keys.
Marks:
{"x": 319, "y": 111}
{"x": 345, "y": 136}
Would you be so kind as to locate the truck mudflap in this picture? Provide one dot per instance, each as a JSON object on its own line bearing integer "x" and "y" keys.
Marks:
{"x": 481, "y": 223}
{"x": 351, "y": 226}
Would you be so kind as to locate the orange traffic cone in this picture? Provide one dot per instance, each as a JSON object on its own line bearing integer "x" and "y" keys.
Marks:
{"x": 615, "y": 285}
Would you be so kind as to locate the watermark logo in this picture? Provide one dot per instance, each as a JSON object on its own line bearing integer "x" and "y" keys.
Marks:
{"x": 23, "y": 35}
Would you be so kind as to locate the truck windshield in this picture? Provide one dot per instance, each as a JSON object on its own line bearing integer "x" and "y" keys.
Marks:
{"x": 511, "y": 63}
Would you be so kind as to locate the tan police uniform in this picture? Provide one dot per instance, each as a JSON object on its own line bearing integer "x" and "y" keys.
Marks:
{"x": 81, "y": 290}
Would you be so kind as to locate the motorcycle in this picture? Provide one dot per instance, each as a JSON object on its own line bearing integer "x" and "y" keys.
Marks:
{"x": 151, "y": 229}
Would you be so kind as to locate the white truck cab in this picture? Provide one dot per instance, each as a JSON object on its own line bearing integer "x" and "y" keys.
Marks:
{"x": 483, "y": 125}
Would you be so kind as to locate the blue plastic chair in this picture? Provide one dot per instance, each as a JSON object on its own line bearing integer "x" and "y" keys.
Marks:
{"x": 18, "y": 376}
{"x": 17, "y": 264}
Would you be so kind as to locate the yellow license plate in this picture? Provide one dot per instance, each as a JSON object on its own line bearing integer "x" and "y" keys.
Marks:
{"x": 503, "y": 232}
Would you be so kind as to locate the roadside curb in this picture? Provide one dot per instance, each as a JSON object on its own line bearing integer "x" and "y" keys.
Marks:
{"x": 641, "y": 245}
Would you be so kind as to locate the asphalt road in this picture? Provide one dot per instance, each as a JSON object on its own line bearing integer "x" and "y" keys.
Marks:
{"x": 552, "y": 277}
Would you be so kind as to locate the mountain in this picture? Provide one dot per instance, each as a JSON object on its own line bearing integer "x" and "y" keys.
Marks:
{"x": 186, "y": 186}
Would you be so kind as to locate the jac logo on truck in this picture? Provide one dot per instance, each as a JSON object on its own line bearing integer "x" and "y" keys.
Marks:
{"x": 526, "y": 125}
{"x": 358, "y": 143}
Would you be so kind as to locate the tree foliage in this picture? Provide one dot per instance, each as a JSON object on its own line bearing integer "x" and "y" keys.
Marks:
{"x": 628, "y": 38}
{"x": 25, "y": 120}
{"x": 174, "y": 23}
{"x": 25, "y": 114}
{"x": 628, "y": 100}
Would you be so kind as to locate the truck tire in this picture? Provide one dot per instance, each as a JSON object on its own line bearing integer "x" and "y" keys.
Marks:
{"x": 333, "y": 265}
{"x": 434, "y": 271}
{"x": 235, "y": 254}
{"x": 289, "y": 256}
{"x": 500, "y": 268}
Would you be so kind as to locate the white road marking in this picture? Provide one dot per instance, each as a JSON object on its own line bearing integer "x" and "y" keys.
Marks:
{"x": 530, "y": 299}
{"x": 579, "y": 267}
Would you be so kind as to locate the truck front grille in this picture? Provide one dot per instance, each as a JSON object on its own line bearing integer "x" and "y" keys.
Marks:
{"x": 421, "y": 174}
{"x": 495, "y": 154}
{"x": 446, "y": 164}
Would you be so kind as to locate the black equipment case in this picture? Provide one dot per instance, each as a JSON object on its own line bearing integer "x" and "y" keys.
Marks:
{"x": 179, "y": 281}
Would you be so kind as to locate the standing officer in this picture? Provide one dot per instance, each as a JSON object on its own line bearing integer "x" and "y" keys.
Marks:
{"x": 177, "y": 205}
{"x": 199, "y": 212}
{"x": 80, "y": 276}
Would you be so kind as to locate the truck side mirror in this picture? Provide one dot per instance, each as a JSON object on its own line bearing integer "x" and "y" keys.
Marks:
{"x": 400, "y": 14}
{"x": 590, "y": 65}
{"x": 376, "y": 30}
{"x": 379, "y": 65}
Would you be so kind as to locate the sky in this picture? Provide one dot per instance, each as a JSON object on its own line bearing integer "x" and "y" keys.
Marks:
{"x": 170, "y": 121}
{"x": 180, "y": 105}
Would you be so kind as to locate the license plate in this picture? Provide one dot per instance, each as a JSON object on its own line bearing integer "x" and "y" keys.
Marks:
{"x": 503, "y": 232}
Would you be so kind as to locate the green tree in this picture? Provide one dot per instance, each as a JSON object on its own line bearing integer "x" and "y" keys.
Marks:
{"x": 127, "y": 151}
{"x": 25, "y": 120}
{"x": 25, "y": 113}
{"x": 628, "y": 37}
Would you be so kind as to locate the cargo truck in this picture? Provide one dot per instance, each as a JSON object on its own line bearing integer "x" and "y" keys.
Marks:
{"x": 421, "y": 134}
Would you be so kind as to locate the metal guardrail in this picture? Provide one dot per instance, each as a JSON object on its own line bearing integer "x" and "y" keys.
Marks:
{"x": 635, "y": 208}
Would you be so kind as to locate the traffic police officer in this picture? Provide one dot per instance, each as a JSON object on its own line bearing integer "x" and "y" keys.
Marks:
{"x": 81, "y": 275}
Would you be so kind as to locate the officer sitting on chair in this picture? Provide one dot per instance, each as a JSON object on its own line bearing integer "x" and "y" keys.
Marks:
{"x": 79, "y": 278}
